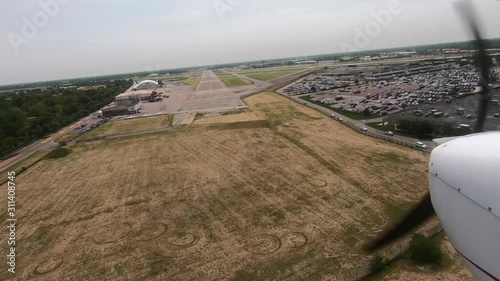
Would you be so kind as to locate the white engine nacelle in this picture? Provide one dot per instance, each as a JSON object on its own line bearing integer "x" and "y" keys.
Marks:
{"x": 464, "y": 179}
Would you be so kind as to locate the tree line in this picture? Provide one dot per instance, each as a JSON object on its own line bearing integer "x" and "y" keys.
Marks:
{"x": 30, "y": 115}
{"x": 427, "y": 130}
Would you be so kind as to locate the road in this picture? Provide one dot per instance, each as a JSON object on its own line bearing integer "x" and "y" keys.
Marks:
{"x": 357, "y": 124}
{"x": 43, "y": 144}
{"x": 210, "y": 81}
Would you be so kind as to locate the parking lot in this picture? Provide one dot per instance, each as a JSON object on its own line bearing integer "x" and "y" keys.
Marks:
{"x": 443, "y": 91}
{"x": 459, "y": 111}
{"x": 380, "y": 98}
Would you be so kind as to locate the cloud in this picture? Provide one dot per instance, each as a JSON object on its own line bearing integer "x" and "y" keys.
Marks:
{"x": 287, "y": 11}
{"x": 93, "y": 37}
{"x": 187, "y": 16}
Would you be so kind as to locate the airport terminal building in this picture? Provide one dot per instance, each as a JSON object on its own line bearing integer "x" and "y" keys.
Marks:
{"x": 131, "y": 102}
{"x": 122, "y": 109}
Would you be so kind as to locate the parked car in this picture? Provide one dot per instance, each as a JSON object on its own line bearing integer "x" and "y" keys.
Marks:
{"x": 496, "y": 115}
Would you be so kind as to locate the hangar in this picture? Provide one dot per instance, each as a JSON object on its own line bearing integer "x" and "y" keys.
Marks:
{"x": 135, "y": 96}
{"x": 146, "y": 85}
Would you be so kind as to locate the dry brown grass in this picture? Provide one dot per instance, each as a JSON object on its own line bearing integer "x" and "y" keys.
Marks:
{"x": 144, "y": 124}
{"x": 234, "y": 118}
{"x": 290, "y": 198}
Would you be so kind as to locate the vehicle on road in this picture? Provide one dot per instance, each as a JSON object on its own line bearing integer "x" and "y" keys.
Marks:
{"x": 389, "y": 133}
{"x": 364, "y": 129}
{"x": 341, "y": 119}
{"x": 421, "y": 145}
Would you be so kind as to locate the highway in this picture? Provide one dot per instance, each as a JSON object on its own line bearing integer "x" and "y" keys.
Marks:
{"x": 358, "y": 124}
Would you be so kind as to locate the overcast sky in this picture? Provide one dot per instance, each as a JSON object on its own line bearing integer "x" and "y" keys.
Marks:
{"x": 95, "y": 37}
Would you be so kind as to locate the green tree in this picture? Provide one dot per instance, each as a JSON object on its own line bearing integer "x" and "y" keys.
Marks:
{"x": 366, "y": 112}
{"x": 27, "y": 115}
{"x": 424, "y": 129}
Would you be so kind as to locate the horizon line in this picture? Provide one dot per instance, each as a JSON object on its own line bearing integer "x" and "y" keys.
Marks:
{"x": 238, "y": 62}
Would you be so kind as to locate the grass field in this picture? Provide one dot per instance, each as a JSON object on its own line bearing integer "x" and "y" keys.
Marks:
{"x": 290, "y": 196}
{"x": 265, "y": 75}
{"x": 137, "y": 125}
{"x": 381, "y": 127}
{"x": 230, "y": 118}
{"x": 67, "y": 137}
{"x": 194, "y": 79}
{"x": 231, "y": 80}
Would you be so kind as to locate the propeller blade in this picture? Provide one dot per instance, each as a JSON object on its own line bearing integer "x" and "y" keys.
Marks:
{"x": 468, "y": 13}
{"x": 416, "y": 217}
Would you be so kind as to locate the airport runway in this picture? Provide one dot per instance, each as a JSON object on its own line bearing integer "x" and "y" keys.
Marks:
{"x": 210, "y": 81}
